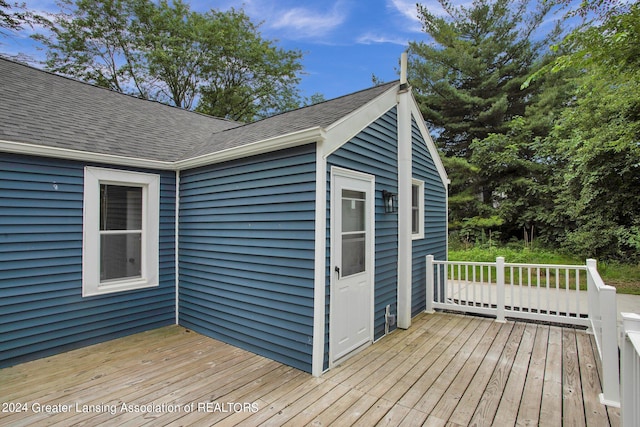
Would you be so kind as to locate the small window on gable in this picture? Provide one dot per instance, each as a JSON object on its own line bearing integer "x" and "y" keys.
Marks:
{"x": 120, "y": 239}
{"x": 417, "y": 209}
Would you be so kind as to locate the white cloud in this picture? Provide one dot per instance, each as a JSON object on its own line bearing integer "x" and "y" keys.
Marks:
{"x": 408, "y": 12}
{"x": 291, "y": 19}
{"x": 375, "y": 38}
{"x": 303, "y": 22}
{"x": 406, "y": 8}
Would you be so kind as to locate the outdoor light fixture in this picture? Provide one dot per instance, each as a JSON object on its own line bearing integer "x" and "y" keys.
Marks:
{"x": 390, "y": 201}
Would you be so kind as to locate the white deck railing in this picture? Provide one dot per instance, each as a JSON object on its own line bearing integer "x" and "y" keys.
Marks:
{"x": 603, "y": 322}
{"x": 566, "y": 294}
{"x": 630, "y": 370}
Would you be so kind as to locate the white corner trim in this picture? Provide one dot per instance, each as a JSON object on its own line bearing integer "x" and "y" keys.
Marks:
{"x": 343, "y": 130}
{"x": 176, "y": 261}
{"x": 404, "y": 210}
{"x": 69, "y": 154}
{"x": 319, "y": 287}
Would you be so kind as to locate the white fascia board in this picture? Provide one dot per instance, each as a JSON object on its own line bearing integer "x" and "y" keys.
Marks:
{"x": 307, "y": 136}
{"x": 431, "y": 146}
{"x": 294, "y": 139}
{"x": 69, "y": 154}
{"x": 343, "y": 130}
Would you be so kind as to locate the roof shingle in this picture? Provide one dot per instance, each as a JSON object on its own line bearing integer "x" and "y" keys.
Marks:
{"x": 45, "y": 109}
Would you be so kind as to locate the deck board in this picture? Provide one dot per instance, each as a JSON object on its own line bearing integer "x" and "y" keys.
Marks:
{"x": 446, "y": 369}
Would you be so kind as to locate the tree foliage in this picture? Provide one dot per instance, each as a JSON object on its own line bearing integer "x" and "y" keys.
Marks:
{"x": 468, "y": 82}
{"x": 9, "y": 18}
{"x": 216, "y": 62}
{"x": 599, "y": 137}
{"x": 561, "y": 159}
{"x": 249, "y": 77}
{"x": 468, "y": 78}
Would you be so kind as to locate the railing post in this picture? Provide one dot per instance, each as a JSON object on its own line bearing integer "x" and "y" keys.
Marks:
{"x": 500, "y": 315}
{"x": 608, "y": 324}
{"x": 430, "y": 288}
{"x": 629, "y": 410}
{"x": 592, "y": 298}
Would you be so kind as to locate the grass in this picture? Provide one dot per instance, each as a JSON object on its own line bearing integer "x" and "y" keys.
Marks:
{"x": 624, "y": 277}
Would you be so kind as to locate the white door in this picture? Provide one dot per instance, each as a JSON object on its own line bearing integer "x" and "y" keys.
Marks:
{"x": 352, "y": 236}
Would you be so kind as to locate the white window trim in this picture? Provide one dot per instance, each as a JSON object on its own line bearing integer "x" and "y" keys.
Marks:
{"x": 150, "y": 184}
{"x": 420, "y": 233}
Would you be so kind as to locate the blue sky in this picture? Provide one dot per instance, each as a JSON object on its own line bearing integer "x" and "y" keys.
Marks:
{"x": 344, "y": 42}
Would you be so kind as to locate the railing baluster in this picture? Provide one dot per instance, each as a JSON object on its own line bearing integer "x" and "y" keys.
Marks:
{"x": 557, "y": 293}
{"x": 537, "y": 271}
{"x": 482, "y": 285}
{"x": 520, "y": 290}
{"x": 473, "y": 281}
{"x": 567, "y": 291}
{"x": 500, "y": 283}
{"x": 466, "y": 283}
{"x": 577, "y": 273}
{"x": 548, "y": 278}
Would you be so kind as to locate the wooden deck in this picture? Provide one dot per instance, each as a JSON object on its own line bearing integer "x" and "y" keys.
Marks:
{"x": 446, "y": 370}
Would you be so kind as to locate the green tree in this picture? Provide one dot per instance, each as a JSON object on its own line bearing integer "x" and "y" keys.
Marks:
{"x": 216, "y": 62}
{"x": 171, "y": 39}
{"x": 470, "y": 219}
{"x": 468, "y": 82}
{"x": 468, "y": 78}
{"x": 518, "y": 167}
{"x": 10, "y": 19}
{"x": 599, "y": 136}
{"x": 94, "y": 41}
{"x": 248, "y": 77}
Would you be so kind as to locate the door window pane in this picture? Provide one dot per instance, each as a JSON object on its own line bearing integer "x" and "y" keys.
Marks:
{"x": 353, "y": 211}
{"x": 353, "y": 253}
{"x": 353, "y": 232}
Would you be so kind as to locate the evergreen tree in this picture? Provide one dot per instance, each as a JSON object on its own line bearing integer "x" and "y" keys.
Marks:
{"x": 468, "y": 78}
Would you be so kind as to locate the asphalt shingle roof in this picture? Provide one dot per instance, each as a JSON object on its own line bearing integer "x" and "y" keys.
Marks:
{"x": 42, "y": 108}
{"x": 38, "y": 107}
{"x": 318, "y": 115}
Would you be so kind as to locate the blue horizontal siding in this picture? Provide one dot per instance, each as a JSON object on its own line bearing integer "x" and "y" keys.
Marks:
{"x": 42, "y": 311}
{"x": 373, "y": 151}
{"x": 247, "y": 248}
{"x": 435, "y": 218}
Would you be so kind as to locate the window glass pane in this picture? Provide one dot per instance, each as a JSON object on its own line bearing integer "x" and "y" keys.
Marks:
{"x": 415, "y": 209}
{"x": 120, "y": 256}
{"x": 120, "y": 207}
{"x": 415, "y": 221}
{"x": 353, "y": 211}
{"x": 351, "y": 194}
{"x": 353, "y": 254}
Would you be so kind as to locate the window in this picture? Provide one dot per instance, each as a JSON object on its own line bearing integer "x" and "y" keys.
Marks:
{"x": 417, "y": 209}
{"x": 120, "y": 239}
{"x": 354, "y": 232}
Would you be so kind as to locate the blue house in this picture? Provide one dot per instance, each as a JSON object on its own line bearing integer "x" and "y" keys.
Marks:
{"x": 300, "y": 237}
